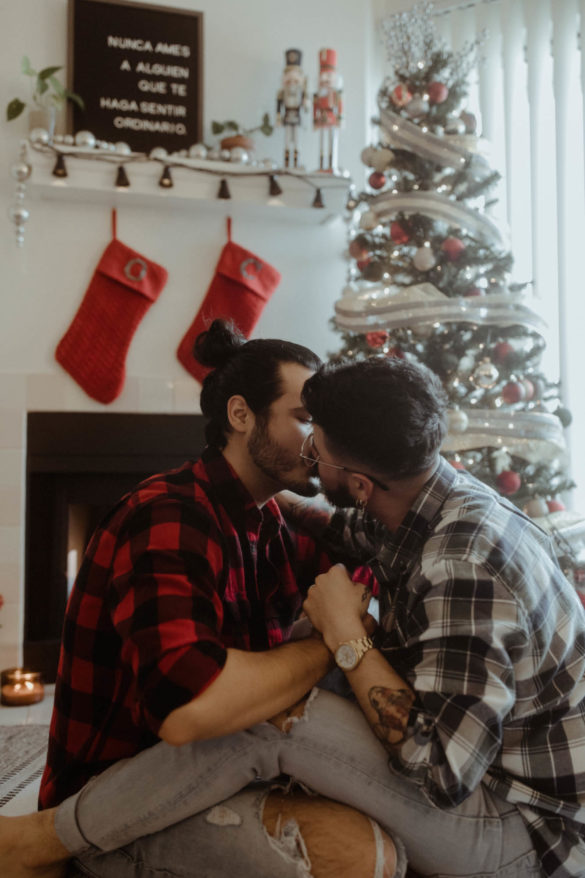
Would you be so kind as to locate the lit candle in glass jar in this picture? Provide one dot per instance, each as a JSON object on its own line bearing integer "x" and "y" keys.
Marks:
{"x": 18, "y": 686}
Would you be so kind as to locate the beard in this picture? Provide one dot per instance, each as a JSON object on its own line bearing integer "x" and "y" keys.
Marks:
{"x": 280, "y": 464}
{"x": 339, "y": 496}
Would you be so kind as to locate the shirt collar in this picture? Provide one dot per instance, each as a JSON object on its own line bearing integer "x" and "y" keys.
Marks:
{"x": 235, "y": 497}
{"x": 403, "y": 547}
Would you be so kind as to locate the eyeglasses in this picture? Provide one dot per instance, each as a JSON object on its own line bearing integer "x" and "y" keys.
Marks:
{"x": 315, "y": 459}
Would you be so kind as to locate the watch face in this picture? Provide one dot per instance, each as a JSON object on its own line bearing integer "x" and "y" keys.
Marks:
{"x": 346, "y": 657}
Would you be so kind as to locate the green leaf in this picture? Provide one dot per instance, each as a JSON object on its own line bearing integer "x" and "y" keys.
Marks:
{"x": 26, "y": 68}
{"x": 14, "y": 109}
{"x": 71, "y": 96}
{"x": 57, "y": 87}
{"x": 42, "y": 86}
{"x": 233, "y": 126}
{"x": 217, "y": 127}
{"x": 48, "y": 72}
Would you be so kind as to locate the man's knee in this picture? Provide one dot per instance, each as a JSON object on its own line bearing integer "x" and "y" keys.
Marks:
{"x": 340, "y": 841}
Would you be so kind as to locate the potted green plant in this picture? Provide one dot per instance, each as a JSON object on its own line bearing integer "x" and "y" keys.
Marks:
{"x": 241, "y": 136}
{"x": 48, "y": 94}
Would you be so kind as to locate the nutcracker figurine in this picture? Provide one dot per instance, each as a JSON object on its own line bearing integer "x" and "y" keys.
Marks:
{"x": 328, "y": 109}
{"x": 291, "y": 99}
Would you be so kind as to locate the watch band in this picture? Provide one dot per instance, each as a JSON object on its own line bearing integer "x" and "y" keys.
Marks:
{"x": 349, "y": 654}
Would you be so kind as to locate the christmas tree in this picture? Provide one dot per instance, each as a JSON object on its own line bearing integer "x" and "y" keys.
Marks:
{"x": 429, "y": 279}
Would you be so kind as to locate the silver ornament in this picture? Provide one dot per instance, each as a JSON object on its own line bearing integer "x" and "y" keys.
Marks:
{"x": 20, "y": 171}
{"x": 122, "y": 148}
{"x": 39, "y": 136}
{"x": 213, "y": 154}
{"x": 536, "y": 507}
{"x": 68, "y": 139}
{"x": 225, "y": 155}
{"x": 198, "y": 151}
{"x": 382, "y": 159}
{"x": 85, "y": 138}
{"x": 418, "y": 106}
{"x": 18, "y": 214}
{"x": 102, "y": 144}
{"x": 239, "y": 154}
{"x": 455, "y": 126}
{"x": 458, "y": 421}
{"x": 424, "y": 259}
{"x": 159, "y": 152}
{"x": 486, "y": 375}
{"x": 367, "y": 156}
{"x": 369, "y": 220}
{"x": 438, "y": 130}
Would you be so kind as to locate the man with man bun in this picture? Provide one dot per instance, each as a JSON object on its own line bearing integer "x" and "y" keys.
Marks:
{"x": 177, "y": 632}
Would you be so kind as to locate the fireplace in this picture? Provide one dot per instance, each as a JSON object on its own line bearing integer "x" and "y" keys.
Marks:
{"x": 78, "y": 466}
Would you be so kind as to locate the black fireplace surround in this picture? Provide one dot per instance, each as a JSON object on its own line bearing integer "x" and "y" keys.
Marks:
{"x": 84, "y": 460}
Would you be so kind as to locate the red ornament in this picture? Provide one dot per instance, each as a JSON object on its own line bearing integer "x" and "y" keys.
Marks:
{"x": 580, "y": 578}
{"x": 437, "y": 92}
{"x": 474, "y": 291}
{"x": 508, "y": 482}
{"x": 453, "y": 248}
{"x": 513, "y": 392}
{"x": 502, "y": 351}
{"x": 456, "y": 464}
{"x": 395, "y": 352}
{"x": 377, "y": 179}
{"x": 377, "y": 339}
{"x": 555, "y": 505}
{"x": 401, "y": 96}
{"x": 363, "y": 263}
{"x": 398, "y": 233}
{"x": 358, "y": 249}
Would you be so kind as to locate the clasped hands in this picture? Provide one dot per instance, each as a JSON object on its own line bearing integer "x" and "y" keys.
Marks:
{"x": 337, "y": 607}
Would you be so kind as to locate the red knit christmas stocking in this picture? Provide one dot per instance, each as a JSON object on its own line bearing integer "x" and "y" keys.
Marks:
{"x": 241, "y": 286}
{"x": 122, "y": 289}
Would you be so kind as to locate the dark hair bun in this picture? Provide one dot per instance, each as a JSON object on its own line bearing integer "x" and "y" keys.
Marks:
{"x": 218, "y": 344}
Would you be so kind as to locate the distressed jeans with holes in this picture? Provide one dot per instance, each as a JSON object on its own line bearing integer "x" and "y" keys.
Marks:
{"x": 332, "y": 750}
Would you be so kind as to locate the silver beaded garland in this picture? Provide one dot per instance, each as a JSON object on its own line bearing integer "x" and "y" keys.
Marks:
{"x": 17, "y": 212}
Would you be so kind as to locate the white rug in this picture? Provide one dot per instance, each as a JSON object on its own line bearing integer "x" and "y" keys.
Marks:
{"x": 22, "y": 760}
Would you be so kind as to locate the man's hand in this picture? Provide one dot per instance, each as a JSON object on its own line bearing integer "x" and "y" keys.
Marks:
{"x": 337, "y": 607}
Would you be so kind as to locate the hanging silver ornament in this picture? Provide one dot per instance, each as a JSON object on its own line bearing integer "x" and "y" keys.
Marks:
{"x": 455, "y": 125}
{"x": 367, "y": 156}
{"x": 198, "y": 151}
{"x": 19, "y": 215}
{"x": 458, "y": 421}
{"x": 486, "y": 375}
{"x": 159, "y": 152}
{"x": 85, "y": 139}
{"x": 239, "y": 155}
{"x": 39, "y": 136}
{"x": 369, "y": 220}
{"x": 382, "y": 159}
{"x": 418, "y": 106}
{"x": 122, "y": 148}
{"x": 424, "y": 259}
{"x": 21, "y": 171}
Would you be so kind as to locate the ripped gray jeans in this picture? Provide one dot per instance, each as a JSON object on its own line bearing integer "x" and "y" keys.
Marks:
{"x": 153, "y": 797}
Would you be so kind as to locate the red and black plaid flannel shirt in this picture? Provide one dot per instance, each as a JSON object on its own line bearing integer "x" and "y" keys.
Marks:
{"x": 185, "y": 566}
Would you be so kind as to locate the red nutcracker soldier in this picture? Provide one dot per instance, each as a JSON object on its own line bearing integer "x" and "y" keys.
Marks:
{"x": 328, "y": 109}
{"x": 291, "y": 99}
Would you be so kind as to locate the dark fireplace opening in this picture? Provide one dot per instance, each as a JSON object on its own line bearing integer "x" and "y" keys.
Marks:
{"x": 78, "y": 466}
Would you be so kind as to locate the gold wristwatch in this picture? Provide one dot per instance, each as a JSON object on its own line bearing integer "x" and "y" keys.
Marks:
{"x": 349, "y": 654}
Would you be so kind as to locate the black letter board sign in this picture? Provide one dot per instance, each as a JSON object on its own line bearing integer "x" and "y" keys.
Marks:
{"x": 138, "y": 69}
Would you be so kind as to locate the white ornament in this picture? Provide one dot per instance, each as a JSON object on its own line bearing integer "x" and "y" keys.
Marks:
{"x": 159, "y": 152}
{"x": 122, "y": 148}
{"x": 369, "y": 220}
{"x": 458, "y": 421}
{"x": 418, "y": 106}
{"x": 85, "y": 138}
{"x": 466, "y": 363}
{"x": 198, "y": 151}
{"x": 239, "y": 155}
{"x": 455, "y": 126}
{"x": 39, "y": 136}
{"x": 424, "y": 259}
{"x": 536, "y": 507}
{"x": 486, "y": 375}
{"x": 382, "y": 159}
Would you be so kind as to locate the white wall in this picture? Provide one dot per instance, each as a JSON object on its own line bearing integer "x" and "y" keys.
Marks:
{"x": 42, "y": 285}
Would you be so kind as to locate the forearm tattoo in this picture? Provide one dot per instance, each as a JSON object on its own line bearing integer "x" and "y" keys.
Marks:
{"x": 392, "y": 707}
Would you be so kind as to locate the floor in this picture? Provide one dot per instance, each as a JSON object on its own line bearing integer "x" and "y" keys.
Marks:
{"x": 26, "y": 801}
